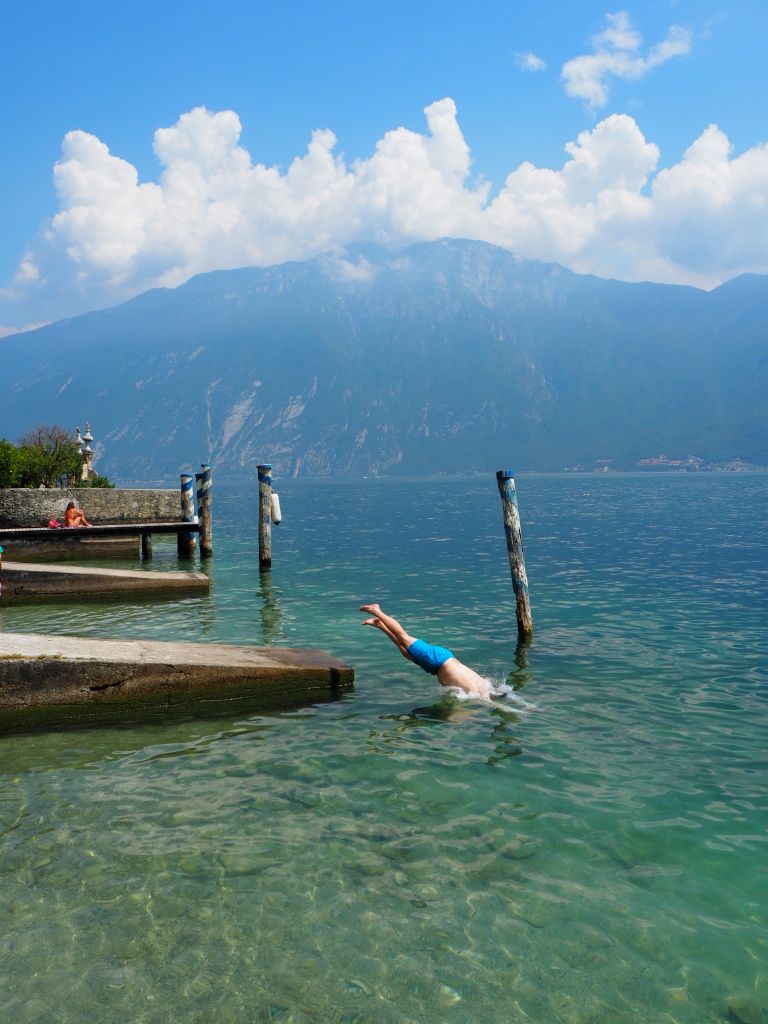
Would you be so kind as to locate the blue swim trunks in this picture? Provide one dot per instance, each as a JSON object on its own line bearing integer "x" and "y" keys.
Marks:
{"x": 429, "y": 657}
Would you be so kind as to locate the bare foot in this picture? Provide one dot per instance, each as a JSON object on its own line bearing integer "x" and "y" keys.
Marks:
{"x": 372, "y": 609}
{"x": 370, "y": 622}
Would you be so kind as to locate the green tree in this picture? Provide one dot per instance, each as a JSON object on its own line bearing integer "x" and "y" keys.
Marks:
{"x": 9, "y": 464}
{"x": 101, "y": 481}
{"x": 29, "y": 467}
{"x": 48, "y": 455}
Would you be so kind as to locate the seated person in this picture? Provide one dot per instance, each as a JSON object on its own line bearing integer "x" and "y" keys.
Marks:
{"x": 73, "y": 516}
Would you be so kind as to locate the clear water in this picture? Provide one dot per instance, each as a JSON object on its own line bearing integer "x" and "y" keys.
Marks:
{"x": 397, "y": 856}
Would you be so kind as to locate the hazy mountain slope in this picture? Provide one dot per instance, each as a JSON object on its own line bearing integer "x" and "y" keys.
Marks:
{"x": 449, "y": 356}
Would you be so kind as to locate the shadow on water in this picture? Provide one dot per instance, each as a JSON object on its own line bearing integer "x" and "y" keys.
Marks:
{"x": 519, "y": 677}
{"x": 170, "y": 732}
{"x": 198, "y": 715}
{"x": 449, "y": 710}
{"x": 271, "y": 611}
{"x": 505, "y": 742}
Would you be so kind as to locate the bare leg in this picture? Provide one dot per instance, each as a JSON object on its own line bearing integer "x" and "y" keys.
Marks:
{"x": 378, "y": 624}
{"x": 396, "y": 631}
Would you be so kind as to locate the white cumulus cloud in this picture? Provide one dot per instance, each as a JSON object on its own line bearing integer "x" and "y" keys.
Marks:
{"x": 26, "y": 274}
{"x": 530, "y": 62}
{"x": 609, "y": 209}
{"x": 6, "y": 331}
{"x": 617, "y": 54}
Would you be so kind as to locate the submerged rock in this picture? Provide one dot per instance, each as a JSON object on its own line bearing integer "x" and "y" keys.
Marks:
{"x": 746, "y": 1009}
{"x": 358, "y": 985}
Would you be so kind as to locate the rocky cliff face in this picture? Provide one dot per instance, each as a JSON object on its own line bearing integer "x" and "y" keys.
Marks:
{"x": 449, "y": 356}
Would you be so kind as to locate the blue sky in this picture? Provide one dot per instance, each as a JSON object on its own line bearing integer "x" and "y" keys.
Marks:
{"x": 660, "y": 74}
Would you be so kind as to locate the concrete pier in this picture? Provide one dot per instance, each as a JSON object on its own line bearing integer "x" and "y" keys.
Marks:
{"x": 25, "y": 512}
{"x": 72, "y": 547}
{"x": 31, "y": 581}
{"x": 87, "y": 679}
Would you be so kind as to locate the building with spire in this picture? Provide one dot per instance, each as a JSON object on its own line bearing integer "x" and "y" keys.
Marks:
{"x": 87, "y": 473}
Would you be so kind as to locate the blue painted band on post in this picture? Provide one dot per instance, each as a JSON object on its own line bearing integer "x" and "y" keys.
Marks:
{"x": 504, "y": 474}
{"x": 510, "y": 494}
{"x": 187, "y": 500}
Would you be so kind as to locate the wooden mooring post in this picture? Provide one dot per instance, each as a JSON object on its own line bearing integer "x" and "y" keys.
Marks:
{"x": 204, "y": 481}
{"x": 265, "y": 516}
{"x": 185, "y": 541}
{"x": 506, "y": 481}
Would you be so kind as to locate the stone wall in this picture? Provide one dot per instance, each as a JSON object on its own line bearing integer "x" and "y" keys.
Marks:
{"x": 21, "y": 506}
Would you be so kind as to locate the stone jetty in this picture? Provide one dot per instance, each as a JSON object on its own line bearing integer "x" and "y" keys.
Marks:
{"x": 87, "y": 678}
{"x": 29, "y": 581}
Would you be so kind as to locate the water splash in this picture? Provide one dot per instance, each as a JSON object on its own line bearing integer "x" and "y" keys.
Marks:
{"x": 498, "y": 690}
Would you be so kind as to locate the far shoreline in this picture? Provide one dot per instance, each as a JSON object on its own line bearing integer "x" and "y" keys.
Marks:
{"x": 223, "y": 479}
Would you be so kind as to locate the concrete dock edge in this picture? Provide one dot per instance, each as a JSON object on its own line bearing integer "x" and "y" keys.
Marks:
{"x": 93, "y": 677}
{"x": 30, "y": 581}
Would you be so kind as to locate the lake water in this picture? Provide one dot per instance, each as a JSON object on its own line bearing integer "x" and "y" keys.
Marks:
{"x": 399, "y": 856}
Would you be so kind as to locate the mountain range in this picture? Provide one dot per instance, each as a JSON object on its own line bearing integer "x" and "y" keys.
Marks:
{"x": 449, "y": 356}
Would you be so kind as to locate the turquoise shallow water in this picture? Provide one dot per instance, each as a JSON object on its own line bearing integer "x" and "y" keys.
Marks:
{"x": 397, "y": 856}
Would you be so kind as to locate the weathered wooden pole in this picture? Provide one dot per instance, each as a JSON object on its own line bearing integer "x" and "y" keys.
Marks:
{"x": 205, "y": 509}
{"x": 146, "y": 546}
{"x": 506, "y": 481}
{"x": 265, "y": 516}
{"x": 185, "y": 542}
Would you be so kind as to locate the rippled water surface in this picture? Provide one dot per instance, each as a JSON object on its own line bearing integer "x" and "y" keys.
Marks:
{"x": 397, "y": 856}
